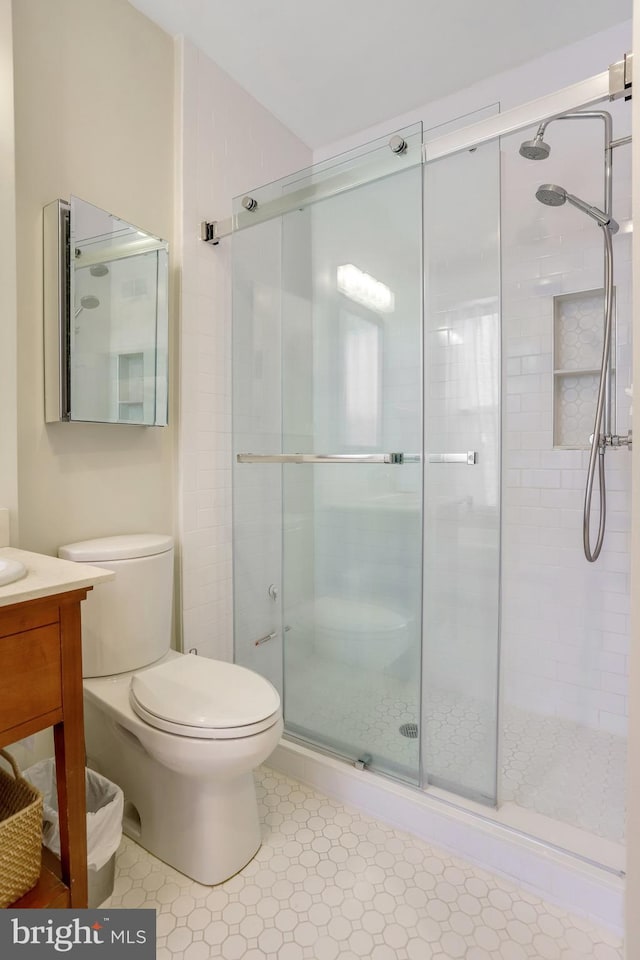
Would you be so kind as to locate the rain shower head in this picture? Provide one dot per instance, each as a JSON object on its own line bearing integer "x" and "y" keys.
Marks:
{"x": 99, "y": 270}
{"x": 554, "y": 196}
{"x": 535, "y": 149}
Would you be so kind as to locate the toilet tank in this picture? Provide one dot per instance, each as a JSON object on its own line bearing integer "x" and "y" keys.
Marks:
{"x": 126, "y": 623}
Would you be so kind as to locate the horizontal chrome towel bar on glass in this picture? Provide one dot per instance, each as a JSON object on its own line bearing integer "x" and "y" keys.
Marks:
{"x": 470, "y": 457}
{"x": 325, "y": 458}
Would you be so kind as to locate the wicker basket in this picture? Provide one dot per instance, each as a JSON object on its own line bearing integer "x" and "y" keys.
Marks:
{"x": 20, "y": 834}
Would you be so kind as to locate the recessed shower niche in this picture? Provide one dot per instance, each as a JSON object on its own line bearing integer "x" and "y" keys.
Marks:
{"x": 105, "y": 318}
{"x": 578, "y": 327}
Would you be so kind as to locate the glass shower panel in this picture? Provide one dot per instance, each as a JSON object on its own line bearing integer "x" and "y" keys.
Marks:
{"x": 271, "y": 327}
{"x": 352, "y": 531}
{"x": 257, "y": 418}
{"x": 462, "y": 472}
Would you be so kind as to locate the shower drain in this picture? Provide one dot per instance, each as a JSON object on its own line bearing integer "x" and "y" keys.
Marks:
{"x": 409, "y": 730}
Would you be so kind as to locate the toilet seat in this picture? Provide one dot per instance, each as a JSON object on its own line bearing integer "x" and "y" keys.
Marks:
{"x": 196, "y": 697}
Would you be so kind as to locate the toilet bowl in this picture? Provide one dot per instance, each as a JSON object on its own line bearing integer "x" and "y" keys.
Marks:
{"x": 180, "y": 734}
{"x": 363, "y": 635}
{"x": 189, "y": 789}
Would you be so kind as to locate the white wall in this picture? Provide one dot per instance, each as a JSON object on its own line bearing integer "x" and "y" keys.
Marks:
{"x": 229, "y": 144}
{"x": 8, "y": 371}
{"x": 94, "y": 117}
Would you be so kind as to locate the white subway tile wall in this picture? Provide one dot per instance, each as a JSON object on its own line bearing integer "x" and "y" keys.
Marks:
{"x": 565, "y": 624}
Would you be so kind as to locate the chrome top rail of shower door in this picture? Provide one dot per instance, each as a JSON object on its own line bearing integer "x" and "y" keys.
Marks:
{"x": 577, "y": 96}
{"x": 329, "y": 178}
{"x": 324, "y": 458}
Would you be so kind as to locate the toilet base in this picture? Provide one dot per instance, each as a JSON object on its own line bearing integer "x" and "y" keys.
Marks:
{"x": 206, "y": 828}
{"x": 226, "y": 839}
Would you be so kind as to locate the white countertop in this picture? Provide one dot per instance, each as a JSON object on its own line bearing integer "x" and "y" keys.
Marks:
{"x": 47, "y": 576}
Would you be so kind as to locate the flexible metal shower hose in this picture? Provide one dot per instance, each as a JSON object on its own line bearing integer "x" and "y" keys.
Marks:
{"x": 598, "y": 445}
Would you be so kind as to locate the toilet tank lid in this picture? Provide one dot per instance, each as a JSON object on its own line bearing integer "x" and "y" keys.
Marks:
{"x": 128, "y": 547}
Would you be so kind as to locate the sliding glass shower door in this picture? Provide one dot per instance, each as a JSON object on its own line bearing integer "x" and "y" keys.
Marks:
{"x": 331, "y": 557}
{"x": 462, "y": 472}
{"x": 352, "y": 593}
{"x": 328, "y": 337}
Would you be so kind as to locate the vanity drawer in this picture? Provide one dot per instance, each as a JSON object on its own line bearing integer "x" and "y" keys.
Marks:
{"x": 30, "y": 683}
{"x": 28, "y": 616}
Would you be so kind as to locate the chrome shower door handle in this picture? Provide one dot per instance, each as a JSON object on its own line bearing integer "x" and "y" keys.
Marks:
{"x": 320, "y": 458}
{"x": 470, "y": 457}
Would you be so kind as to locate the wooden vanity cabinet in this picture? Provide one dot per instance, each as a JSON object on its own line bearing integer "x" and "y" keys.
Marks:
{"x": 40, "y": 687}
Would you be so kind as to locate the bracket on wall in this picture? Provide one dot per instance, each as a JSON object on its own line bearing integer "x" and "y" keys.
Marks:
{"x": 208, "y": 231}
{"x": 621, "y": 78}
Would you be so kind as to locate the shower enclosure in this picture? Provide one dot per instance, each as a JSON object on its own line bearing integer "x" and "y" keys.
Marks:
{"x": 415, "y": 348}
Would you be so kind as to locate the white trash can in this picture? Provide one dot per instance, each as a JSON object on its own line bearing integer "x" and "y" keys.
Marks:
{"x": 105, "y": 804}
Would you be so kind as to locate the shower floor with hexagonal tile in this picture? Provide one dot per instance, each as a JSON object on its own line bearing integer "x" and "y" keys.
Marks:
{"x": 560, "y": 769}
{"x": 330, "y": 883}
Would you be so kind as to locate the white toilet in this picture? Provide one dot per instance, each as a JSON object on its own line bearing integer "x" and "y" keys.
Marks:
{"x": 364, "y": 635}
{"x": 180, "y": 734}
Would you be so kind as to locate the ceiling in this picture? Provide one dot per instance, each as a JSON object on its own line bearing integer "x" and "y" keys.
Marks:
{"x": 327, "y": 69}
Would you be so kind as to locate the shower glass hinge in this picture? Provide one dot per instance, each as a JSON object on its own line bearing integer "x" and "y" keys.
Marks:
{"x": 620, "y": 78}
{"x": 363, "y": 762}
{"x": 208, "y": 231}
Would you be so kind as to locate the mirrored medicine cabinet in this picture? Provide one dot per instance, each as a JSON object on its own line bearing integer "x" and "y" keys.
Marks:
{"x": 106, "y": 318}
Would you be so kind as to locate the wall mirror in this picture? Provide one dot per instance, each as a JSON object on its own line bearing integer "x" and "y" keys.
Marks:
{"x": 105, "y": 318}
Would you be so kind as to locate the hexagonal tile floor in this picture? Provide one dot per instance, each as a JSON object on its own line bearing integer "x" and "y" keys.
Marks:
{"x": 563, "y": 770}
{"x": 332, "y": 884}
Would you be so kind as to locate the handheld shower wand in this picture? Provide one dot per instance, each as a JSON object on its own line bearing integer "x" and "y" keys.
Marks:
{"x": 554, "y": 196}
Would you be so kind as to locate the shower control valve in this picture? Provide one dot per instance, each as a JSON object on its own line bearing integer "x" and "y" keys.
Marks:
{"x": 613, "y": 440}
